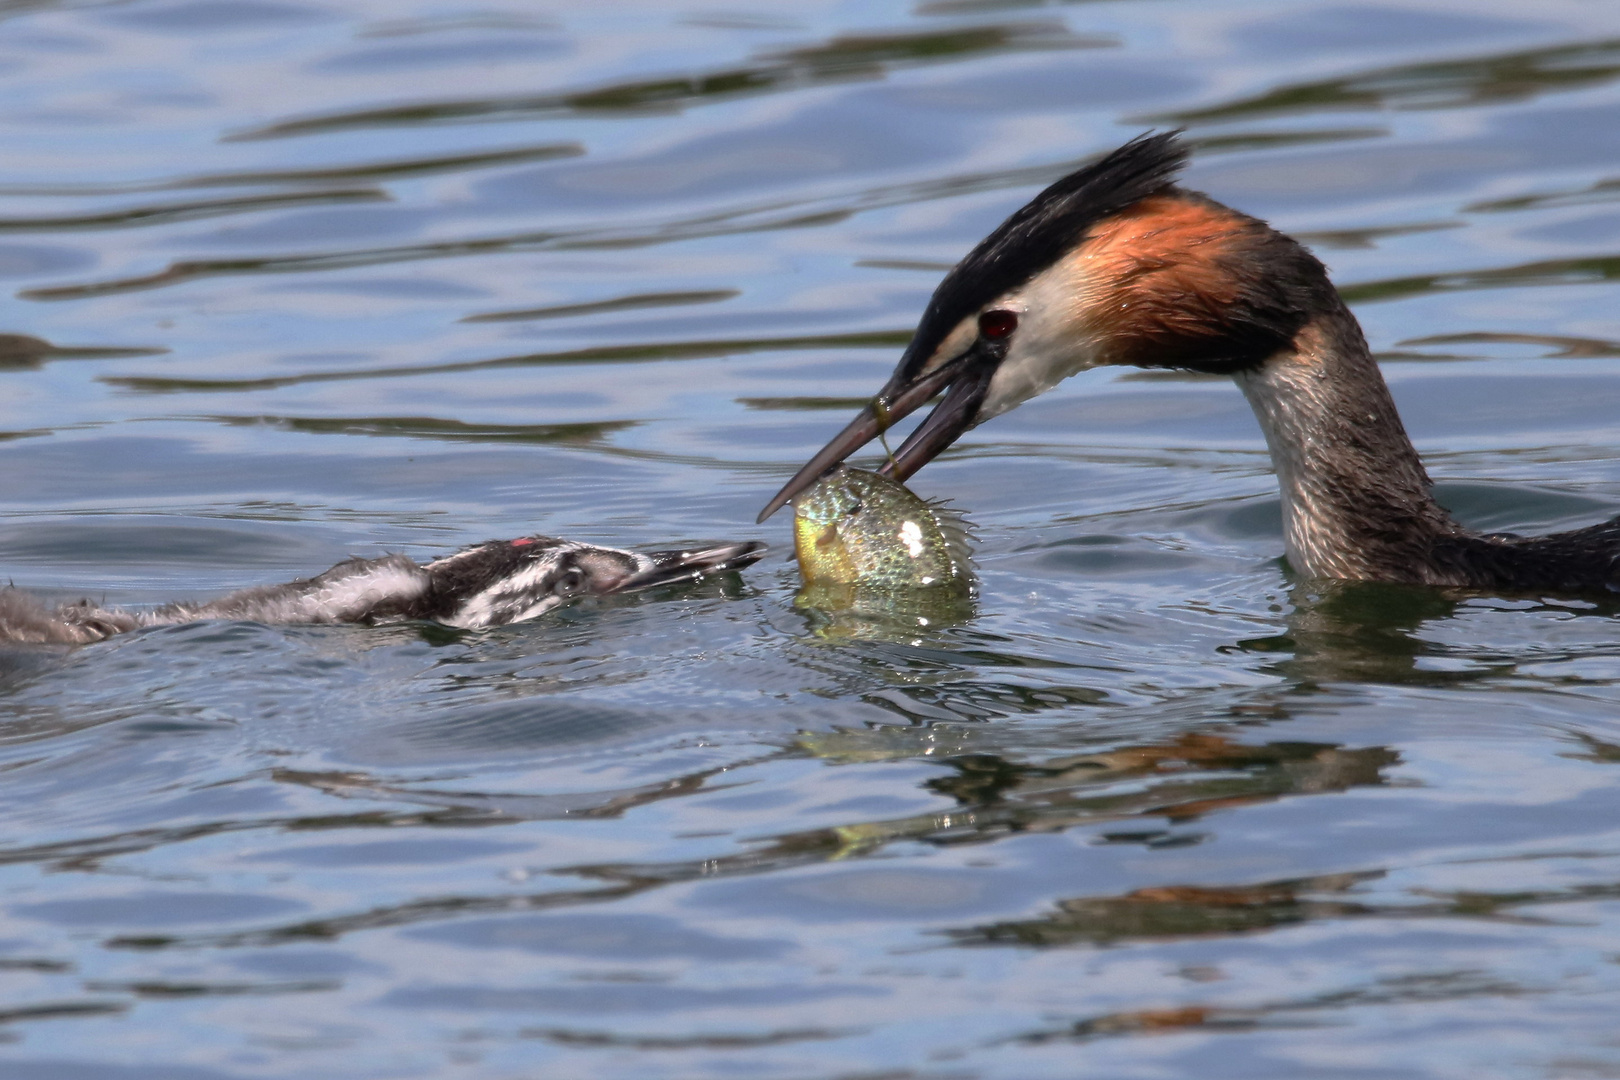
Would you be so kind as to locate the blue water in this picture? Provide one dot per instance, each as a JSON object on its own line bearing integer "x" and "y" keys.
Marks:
{"x": 290, "y": 282}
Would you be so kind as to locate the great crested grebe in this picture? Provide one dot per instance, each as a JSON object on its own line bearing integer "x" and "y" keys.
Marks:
{"x": 1114, "y": 264}
{"x": 490, "y": 584}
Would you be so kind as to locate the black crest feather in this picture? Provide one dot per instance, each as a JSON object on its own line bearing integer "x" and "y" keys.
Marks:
{"x": 1040, "y": 231}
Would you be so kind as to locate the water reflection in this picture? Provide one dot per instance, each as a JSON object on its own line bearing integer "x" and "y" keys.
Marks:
{"x": 1368, "y": 632}
{"x": 166, "y": 213}
{"x": 1554, "y": 345}
{"x": 608, "y": 354}
{"x": 836, "y": 611}
{"x": 1425, "y": 988}
{"x": 1149, "y": 786}
{"x": 617, "y": 303}
{"x": 1448, "y": 84}
{"x": 839, "y": 59}
{"x": 1586, "y": 270}
{"x": 1169, "y": 911}
{"x": 476, "y": 807}
{"x": 389, "y": 169}
{"x": 1176, "y": 782}
{"x": 24, "y": 352}
{"x": 1359, "y": 632}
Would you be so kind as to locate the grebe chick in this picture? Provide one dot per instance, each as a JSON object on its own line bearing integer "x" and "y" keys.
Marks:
{"x": 1114, "y": 264}
{"x": 490, "y": 584}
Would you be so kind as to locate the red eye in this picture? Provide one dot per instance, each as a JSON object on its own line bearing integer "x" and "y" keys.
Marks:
{"x": 997, "y": 324}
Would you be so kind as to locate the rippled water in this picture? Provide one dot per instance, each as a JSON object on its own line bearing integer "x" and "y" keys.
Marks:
{"x": 299, "y": 280}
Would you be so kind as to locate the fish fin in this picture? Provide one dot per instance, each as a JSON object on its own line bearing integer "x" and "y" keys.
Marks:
{"x": 959, "y": 536}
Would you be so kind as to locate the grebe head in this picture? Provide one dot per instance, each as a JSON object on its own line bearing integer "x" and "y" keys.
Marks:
{"x": 508, "y": 581}
{"x": 1112, "y": 264}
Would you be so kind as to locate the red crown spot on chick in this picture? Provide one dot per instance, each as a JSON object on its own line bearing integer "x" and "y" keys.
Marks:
{"x": 523, "y": 541}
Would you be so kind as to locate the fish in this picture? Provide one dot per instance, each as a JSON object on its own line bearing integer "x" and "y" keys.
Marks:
{"x": 858, "y": 528}
{"x": 878, "y": 562}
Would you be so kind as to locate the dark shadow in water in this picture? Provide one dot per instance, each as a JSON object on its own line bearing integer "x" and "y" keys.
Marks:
{"x": 377, "y": 170}
{"x": 793, "y": 213}
{"x": 1367, "y": 238}
{"x": 1343, "y": 631}
{"x": 56, "y": 1010}
{"x": 1153, "y": 789}
{"x": 427, "y": 427}
{"x": 1165, "y": 912}
{"x": 168, "y": 213}
{"x": 608, "y": 1040}
{"x": 1172, "y": 783}
{"x": 170, "y": 990}
{"x": 1602, "y": 191}
{"x": 1367, "y": 632}
{"x": 618, "y": 303}
{"x": 448, "y": 809}
{"x": 1556, "y": 346}
{"x": 606, "y": 354}
{"x": 1447, "y": 84}
{"x": 18, "y": 667}
{"x": 1587, "y": 270}
{"x": 1236, "y": 141}
{"x": 582, "y": 804}
{"x": 1172, "y": 912}
{"x": 842, "y": 58}
{"x": 21, "y": 352}
{"x": 1420, "y": 988}
{"x": 970, "y": 7}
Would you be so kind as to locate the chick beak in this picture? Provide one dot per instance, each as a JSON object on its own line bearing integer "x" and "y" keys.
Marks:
{"x": 968, "y": 378}
{"x": 667, "y": 567}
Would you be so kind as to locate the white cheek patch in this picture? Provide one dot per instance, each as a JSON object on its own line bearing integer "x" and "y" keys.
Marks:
{"x": 513, "y": 599}
{"x": 1051, "y": 342}
{"x": 957, "y": 342}
{"x": 487, "y": 610}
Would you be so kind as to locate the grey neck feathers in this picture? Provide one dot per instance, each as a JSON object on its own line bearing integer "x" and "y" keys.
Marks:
{"x": 1356, "y": 500}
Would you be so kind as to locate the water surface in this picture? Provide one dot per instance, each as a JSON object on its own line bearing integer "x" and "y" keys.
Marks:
{"x": 293, "y": 281}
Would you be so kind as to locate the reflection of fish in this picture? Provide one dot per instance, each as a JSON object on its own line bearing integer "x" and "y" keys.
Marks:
{"x": 858, "y": 528}
{"x": 491, "y": 584}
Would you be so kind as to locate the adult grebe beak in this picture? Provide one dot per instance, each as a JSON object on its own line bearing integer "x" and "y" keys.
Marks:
{"x": 965, "y": 379}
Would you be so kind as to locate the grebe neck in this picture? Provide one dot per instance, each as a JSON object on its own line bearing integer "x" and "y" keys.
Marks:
{"x": 1356, "y": 500}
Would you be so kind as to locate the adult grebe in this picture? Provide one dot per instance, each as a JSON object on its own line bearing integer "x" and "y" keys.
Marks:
{"x": 1114, "y": 264}
{"x": 490, "y": 584}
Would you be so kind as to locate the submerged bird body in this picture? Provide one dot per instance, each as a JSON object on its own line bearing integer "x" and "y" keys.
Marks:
{"x": 1115, "y": 265}
{"x": 490, "y": 584}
